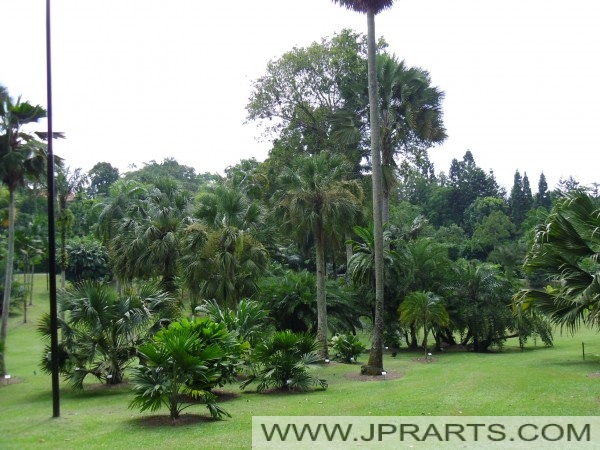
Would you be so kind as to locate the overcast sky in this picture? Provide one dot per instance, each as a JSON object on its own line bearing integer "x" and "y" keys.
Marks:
{"x": 142, "y": 80}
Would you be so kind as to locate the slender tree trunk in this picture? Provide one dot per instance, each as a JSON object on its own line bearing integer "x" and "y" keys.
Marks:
{"x": 321, "y": 294}
{"x": 385, "y": 207}
{"x": 425, "y": 333}
{"x": 387, "y": 172}
{"x": 63, "y": 256}
{"x": 414, "y": 344}
{"x": 7, "y": 278}
{"x": 348, "y": 250}
{"x": 32, "y": 273}
{"x": 375, "y": 362}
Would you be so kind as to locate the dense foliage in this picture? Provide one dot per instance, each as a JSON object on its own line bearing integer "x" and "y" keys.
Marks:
{"x": 180, "y": 364}
{"x": 276, "y": 253}
{"x": 101, "y": 329}
{"x": 286, "y": 360}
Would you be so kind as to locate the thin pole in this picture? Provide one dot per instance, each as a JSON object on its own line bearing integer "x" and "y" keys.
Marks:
{"x": 52, "y": 231}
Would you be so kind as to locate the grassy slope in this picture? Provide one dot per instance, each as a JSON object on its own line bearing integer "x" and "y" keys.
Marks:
{"x": 540, "y": 381}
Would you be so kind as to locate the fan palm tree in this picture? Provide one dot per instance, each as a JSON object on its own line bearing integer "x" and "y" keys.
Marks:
{"x": 125, "y": 200}
{"x": 102, "y": 329}
{"x": 410, "y": 115}
{"x": 22, "y": 156}
{"x": 284, "y": 361}
{"x": 317, "y": 191}
{"x": 233, "y": 261}
{"x": 174, "y": 360}
{"x": 423, "y": 309}
{"x": 361, "y": 266}
{"x": 371, "y": 8}
{"x": 566, "y": 252}
{"x": 147, "y": 243}
{"x": 223, "y": 254}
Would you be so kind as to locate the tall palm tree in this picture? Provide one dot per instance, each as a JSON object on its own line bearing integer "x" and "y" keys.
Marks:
{"x": 22, "y": 156}
{"x": 228, "y": 266}
{"x": 223, "y": 255}
{"x": 410, "y": 115}
{"x": 317, "y": 191}
{"x": 125, "y": 199}
{"x": 566, "y": 253}
{"x": 371, "y": 8}
{"x": 147, "y": 243}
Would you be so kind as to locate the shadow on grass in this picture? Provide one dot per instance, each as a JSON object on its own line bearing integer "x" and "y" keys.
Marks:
{"x": 97, "y": 390}
{"x": 184, "y": 419}
{"x": 166, "y": 421}
{"x": 390, "y": 375}
{"x": 222, "y": 396}
{"x": 594, "y": 365}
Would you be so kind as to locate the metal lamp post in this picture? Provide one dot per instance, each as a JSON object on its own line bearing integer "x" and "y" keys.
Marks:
{"x": 51, "y": 229}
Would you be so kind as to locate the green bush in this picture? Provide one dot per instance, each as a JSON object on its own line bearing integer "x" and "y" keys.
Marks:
{"x": 182, "y": 363}
{"x": 212, "y": 333}
{"x": 173, "y": 361}
{"x": 291, "y": 299}
{"x": 101, "y": 329}
{"x": 249, "y": 320}
{"x": 88, "y": 260}
{"x": 284, "y": 361}
{"x": 347, "y": 347}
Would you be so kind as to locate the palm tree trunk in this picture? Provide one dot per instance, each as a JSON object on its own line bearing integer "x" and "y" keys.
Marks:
{"x": 321, "y": 294}
{"x": 425, "y": 333}
{"x": 31, "y": 275}
{"x": 385, "y": 209}
{"x": 7, "y": 278}
{"x": 348, "y": 250}
{"x": 376, "y": 355}
{"x": 387, "y": 172}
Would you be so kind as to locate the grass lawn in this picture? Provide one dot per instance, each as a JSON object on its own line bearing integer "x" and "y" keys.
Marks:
{"x": 538, "y": 381}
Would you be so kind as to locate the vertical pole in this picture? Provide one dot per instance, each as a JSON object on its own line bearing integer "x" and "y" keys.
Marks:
{"x": 51, "y": 230}
{"x": 583, "y": 350}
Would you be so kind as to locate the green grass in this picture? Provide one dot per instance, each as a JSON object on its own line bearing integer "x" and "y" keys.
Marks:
{"x": 538, "y": 381}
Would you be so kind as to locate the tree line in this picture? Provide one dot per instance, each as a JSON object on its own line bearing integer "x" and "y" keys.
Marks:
{"x": 462, "y": 258}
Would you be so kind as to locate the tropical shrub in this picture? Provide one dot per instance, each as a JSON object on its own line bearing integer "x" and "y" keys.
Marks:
{"x": 18, "y": 293}
{"x": 173, "y": 363}
{"x": 347, "y": 347}
{"x": 565, "y": 258}
{"x": 478, "y": 303}
{"x": 88, "y": 260}
{"x": 532, "y": 323}
{"x": 426, "y": 310}
{"x": 101, "y": 329}
{"x": 291, "y": 298}
{"x": 211, "y": 333}
{"x": 285, "y": 360}
{"x": 250, "y": 321}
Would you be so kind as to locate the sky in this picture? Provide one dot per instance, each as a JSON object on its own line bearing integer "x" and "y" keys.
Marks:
{"x": 135, "y": 81}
